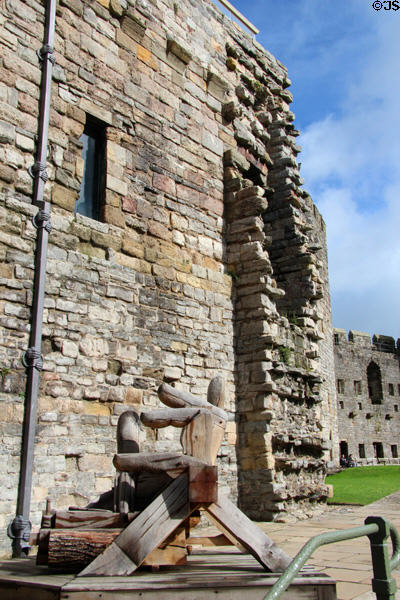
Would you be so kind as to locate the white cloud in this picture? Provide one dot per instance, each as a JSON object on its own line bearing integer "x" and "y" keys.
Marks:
{"x": 350, "y": 162}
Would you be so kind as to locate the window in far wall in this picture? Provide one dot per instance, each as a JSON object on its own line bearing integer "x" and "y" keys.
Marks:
{"x": 378, "y": 449}
{"x": 391, "y": 389}
{"x": 374, "y": 383}
{"x": 361, "y": 450}
{"x": 393, "y": 448}
{"x": 340, "y": 386}
{"x": 357, "y": 387}
{"x": 91, "y": 195}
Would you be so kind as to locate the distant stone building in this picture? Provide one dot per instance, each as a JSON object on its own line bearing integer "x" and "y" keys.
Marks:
{"x": 182, "y": 246}
{"x": 368, "y": 395}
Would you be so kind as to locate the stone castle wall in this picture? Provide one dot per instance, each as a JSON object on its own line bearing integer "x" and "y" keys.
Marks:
{"x": 368, "y": 416}
{"x": 209, "y": 258}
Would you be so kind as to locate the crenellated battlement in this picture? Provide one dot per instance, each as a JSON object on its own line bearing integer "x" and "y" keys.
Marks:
{"x": 381, "y": 343}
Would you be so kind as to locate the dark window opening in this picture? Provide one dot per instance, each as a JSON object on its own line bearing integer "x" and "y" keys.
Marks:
{"x": 393, "y": 448}
{"x": 336, "y": 338}
{"x": 344, "y": 449}
{"x": 396, "y": 407}
{"x": 374, "y": 383}
{"x": 341, "y": 404}
{"x": 340, "y": 386}
{"x": 391, "y": 389}
{"x": 378, "y": 450}
{"x": 360, "y": 406}
{"x": 398, "y": 389}
{"x": 91, "y": 195}
{"x": 357, "y": 387}
{"x": 361, "y": 450}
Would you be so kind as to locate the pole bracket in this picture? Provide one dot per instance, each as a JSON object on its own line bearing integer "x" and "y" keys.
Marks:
{"x": 32, "y": 358}
{"x": 42, "y": 220}
{"x": 38, "y": 169}
{"x": 19, "y": 531}
{"x": 46, "y": 52}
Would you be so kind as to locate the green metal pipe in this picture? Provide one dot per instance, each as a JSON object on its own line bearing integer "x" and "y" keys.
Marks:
{"x": 329, "y": 538}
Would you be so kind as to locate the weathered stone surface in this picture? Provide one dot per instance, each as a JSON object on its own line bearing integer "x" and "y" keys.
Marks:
{"x": 368, "y": 396}
{"x": 208, "y": 259}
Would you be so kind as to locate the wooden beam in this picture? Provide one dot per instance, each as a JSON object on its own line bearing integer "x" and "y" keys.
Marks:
{"x": 203, "y": 484}
{"x": 175, "y": 398}
{"x": 172, "y": 463}
{"x": 224, "y": 513}
{"x": 145, "y": 533}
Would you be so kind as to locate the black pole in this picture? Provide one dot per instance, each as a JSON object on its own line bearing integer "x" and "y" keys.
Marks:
{"x": 19, "y": 529}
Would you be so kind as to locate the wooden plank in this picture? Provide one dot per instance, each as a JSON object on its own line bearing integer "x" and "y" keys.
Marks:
{"x": 90, "y": 519}
{"x": 205, "y": 540}
{"x": 171, "y": 552}
{"x": 224, "y": 573}
{"x": 268, "y": 554}
{"x": 202, "y": 437}
{"x": 203, "y": 484}
{"x": 145, "y": 533}
{"x": 197, "y": 593}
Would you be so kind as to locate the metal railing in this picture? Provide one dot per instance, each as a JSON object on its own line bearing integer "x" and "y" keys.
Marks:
{"x": 378, "y": 530}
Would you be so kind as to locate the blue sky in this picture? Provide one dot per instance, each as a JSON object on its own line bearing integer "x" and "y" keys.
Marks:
{"x": 343, "y": 60}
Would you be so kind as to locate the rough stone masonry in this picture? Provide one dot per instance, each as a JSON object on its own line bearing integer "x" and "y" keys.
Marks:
{"x": 207, "y": 258}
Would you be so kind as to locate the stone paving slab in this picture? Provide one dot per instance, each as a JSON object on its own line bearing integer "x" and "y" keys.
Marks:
{"x": 348, "y": 562}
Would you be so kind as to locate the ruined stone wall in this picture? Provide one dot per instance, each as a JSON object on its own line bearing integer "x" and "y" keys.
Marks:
{"x": 208, "y": 258}
{"x": 364, "y": 417}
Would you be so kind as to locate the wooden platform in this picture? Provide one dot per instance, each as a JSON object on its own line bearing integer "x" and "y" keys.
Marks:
{"x": 225, "y": 574}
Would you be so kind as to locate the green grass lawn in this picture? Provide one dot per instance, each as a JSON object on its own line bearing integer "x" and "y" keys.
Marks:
{"x": 362, "y": 485}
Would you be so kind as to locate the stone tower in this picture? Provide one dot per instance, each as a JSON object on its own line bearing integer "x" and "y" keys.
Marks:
{"x": 183, "y": 246}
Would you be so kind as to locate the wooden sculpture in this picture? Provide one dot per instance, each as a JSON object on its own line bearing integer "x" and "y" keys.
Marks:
{"x": 157, "y": 496}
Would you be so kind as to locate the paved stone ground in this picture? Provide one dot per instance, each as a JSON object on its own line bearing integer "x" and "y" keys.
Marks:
{"x": 348, "y": 562}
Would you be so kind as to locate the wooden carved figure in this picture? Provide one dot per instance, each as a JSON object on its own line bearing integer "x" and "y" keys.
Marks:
{"x": 169, "y": 487}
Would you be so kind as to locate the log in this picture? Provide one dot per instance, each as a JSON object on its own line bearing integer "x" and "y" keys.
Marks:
{"x": 172, "y": 463}
{"x": 124, "y": 493}
{"x": 177, "y": 417}
{"x": 145, "y": 533}
{"x": 216, "y": 394}
{"x": 175, "y": 398}
{"x": 234, "y": 523}
{"x": 72, "y": 549}
{"x": 128, "y": 432}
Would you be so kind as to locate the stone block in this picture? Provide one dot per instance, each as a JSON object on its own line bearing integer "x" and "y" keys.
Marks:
{"x": 114, "y": 216}
{"x": 133, "y": 26}
{"x": 212, "y": 143}
{"x": 133, "y": 396}
{"x": 147, "y": 57}
{"x": 7, "y": 132}
{"x": 117, "y": 185}
{"x": 173, "y": 47}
